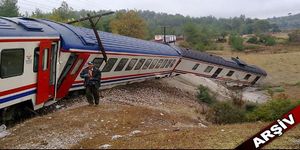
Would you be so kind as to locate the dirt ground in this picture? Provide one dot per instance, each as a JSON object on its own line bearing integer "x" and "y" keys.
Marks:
{"x": 145, "y": 115}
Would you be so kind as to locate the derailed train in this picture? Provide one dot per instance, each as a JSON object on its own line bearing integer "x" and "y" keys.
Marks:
{"x": 40, "y": 62}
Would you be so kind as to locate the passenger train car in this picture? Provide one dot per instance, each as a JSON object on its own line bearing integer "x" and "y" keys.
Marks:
{"x": 40, "y": 62}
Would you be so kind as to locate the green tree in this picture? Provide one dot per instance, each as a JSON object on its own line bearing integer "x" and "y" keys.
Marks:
{"x": 199, "y": 37}
{"x": 129, "y": 24}
{"x": 236, "y": 42}
{"x": 63, "y": 14}
{"x": 9, "y": 8}
{"x": 261, "y": 26}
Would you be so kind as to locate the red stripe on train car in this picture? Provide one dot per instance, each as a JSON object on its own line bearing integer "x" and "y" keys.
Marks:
{"x": 17, "y": 89}
{"x": 134, "y": 75}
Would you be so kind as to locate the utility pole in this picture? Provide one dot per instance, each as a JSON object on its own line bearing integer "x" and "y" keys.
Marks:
{"x": 164, "y": 28}
{"x": 93, "y": 25}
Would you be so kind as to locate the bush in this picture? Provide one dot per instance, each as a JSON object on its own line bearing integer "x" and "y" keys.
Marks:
{"x": 271, "y": 110}
{"x": 236, "y": 42}
{"x": 205, "y": 96}
{"x": 294, "y": 36}
{"x": 297, "y": 84}
{"x": 251, "y": 47}
{"x": 184, "y": 44}
{"x": 250, "y": 107}
{"x": 225, "y": 113}
{"x": 253, "y": 40}
{"x": 278, "y": 89}
{"x": 267, "y": 40}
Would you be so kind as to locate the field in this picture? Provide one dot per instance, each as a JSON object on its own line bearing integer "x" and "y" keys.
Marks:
{"x": 158, "y": 114}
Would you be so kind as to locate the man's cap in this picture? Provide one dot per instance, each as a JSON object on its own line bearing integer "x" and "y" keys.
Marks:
{"x": 90, "y": 63}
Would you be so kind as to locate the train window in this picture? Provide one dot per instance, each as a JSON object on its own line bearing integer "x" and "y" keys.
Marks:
{"x": 77, "y": 66}
{"x": 67, "y": 67}
{"x": 169, "y": 62}
{"x": 164, "y": 63}
{"x": 109, "y": 65}
{"x": 196, "y": 66}
{"x": 139, "y": 64}
{"x": 45, "y": 59}
{"x": 172, "y": 63}
{"x": 153, "y": 64}
{"x": 159, "y": 63}
{"x": 247, "y": 76}
{"x": 147, "y": 64}
{"x": 98, "y": 62}
{"x": 230, "y": 73}
{"x": 208, "y": 69}
{"x": 131, "y": 64}
{"x": 121, "y": 64}
{"x": 36, "y": 59}
{"x": 12, "y": 63}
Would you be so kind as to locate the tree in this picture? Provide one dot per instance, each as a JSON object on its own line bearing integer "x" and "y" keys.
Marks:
{"x": 129, "y": 24}
{"x": 63, "y": 14}
{"x": 236, "y": 42}
{"x": 199, "y": 37}
{"x": 9, "y": 8}
{"x": 261, "y": 26}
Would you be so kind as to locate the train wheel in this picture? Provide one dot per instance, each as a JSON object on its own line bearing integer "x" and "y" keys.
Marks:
{"x": 15, "y": 114}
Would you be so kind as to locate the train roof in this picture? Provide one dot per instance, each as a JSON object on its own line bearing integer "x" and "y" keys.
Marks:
{"x": 232, "y": 63}
{"x": 84, "y": 39}
{"x": 15, "y": 27}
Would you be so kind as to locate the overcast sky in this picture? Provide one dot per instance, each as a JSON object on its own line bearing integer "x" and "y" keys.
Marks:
{"x": 194, "y": 8}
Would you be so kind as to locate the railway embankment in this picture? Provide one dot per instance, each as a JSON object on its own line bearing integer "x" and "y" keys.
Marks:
{"x": 153, "y": 114}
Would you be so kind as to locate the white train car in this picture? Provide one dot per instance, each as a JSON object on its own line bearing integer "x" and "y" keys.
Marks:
{"x": 232, "y": 71}
{"x": 41, "y": 60}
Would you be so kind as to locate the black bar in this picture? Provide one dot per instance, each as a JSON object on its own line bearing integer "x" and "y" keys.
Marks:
{"x": 97, "y": 37}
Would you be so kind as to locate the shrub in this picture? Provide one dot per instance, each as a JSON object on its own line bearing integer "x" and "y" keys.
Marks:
{"x": 225, "y": 113}
{"x": 184, "y": 44}
{"x": 294, "y": 36}
{"x": 271, "y": 110}
{"x": 253, "y": 40}
{"x": 267, "y": 40}
{"x": 250, "y": 107}
{"x": 236, "y": 42}
{"x": 205, "y": 96}
{"x": 278, "y": 89}
{"x": 251, "y": 47}
{"x": 297, "y": 84}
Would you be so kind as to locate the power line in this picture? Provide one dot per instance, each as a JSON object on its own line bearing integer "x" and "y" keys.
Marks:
{"x": 34, "y": 6}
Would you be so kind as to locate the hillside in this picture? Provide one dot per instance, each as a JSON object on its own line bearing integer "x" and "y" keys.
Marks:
{"x": 287, "y": 22}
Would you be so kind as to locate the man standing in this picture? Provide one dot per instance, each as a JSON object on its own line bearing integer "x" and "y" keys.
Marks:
{"x": 92, "y": 77}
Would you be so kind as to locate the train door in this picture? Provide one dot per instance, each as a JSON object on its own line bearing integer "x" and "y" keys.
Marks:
{"x": 46, "y": 71}
{"x": 218, "y": 71}
{"x": 70, "y": 72}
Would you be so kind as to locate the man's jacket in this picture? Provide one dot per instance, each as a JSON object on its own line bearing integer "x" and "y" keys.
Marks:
{"x": 94, "y": 80}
